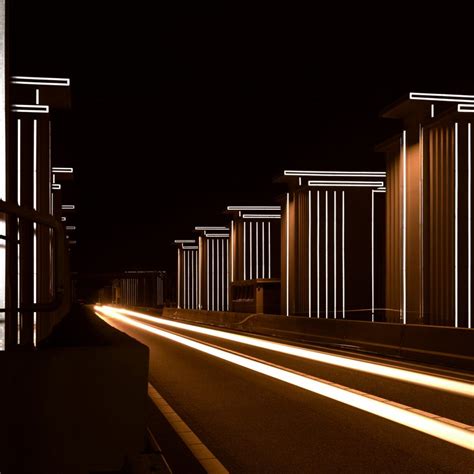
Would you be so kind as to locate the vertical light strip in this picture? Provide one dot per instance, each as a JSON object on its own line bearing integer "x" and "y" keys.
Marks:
{"x": 326, "y": 259}
{"x": 188, "y": 272}
{"x": 469, "y": 220}
{"x": 212, "y": 275}
{"x": 317, "y": 255}
{"x": 263, "y": 249}
{"x": 228, "y": 277}
{"x": 309, "y": 253}
{"x": 179, "y": 278}
{"x": 372, "y": 266}
{"x": 208, "y": 272}
{"x": 269, "y": 250}
{"x": 231, "y": 250}
{"x": 251, "y": 250}
{"x": 218, "y": 276}
{"x": 18, "y": 155}
{"x": 456, "y": 225}
{"x": 245, "y": 250}
{"x": 191, "y": 257}
{"x": 198, "y": 277}
{"x": 257, "y": 246}
{"x": 222, "y": 275}
{"x": 343, "y": 256}
{"x": 404, "y": 229}
{"x": 335, "y": 256}
{"x": 35, "y": 227}
{"x": 185, "y": 280}
{"x": 287, "y": 254}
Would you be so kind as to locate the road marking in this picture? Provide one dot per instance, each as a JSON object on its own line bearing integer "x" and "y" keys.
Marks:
{"x": 447, "y": 430}
{"x": 415, "y": 377}
{"x": 207, "y": 460}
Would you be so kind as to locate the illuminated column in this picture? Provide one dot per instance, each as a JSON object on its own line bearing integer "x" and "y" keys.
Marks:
{"x": 429, "y": 203}
{"x": 214, "y": 267}
{"x": 255, "y": 258}
{"x": 187, "y": 281}
{"x": 332, "y": 256}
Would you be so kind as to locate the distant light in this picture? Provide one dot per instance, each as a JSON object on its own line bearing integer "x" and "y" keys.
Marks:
{"x": 254, "y": 208}
{"x": 262, "y": 216}
{"x": 441, "y": 97}
{"x": 216, "y": 235}
{"x": 30, "y": 109}
{"x": 343, "y": 174}
{"x": 41, "y": 81}
{"x": 63, "y": 219}
{"x": 70, "y": 227}
{"x": 185, "y": 241}
{"x": 336, "y": 183}
{"x": 203, "y": 227}
{"x": 55, "y": 187}
{"x": 68, "y": 207}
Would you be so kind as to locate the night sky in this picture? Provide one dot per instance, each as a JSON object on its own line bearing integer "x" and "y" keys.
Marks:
{"x": 176, "y": 115}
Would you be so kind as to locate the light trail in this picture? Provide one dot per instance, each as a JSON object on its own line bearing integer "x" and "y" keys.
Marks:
{"x": 404, "y": 375}
{"x": 457, "y": 434}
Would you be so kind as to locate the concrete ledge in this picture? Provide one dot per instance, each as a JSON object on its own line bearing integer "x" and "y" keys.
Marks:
{"x": 76, "y": 405}
{"x": 432, "y": 344}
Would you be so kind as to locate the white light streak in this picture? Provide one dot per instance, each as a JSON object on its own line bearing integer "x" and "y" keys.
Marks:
{"x": 251, "y": 251}
{"x": 254, "y": 208}
{"x": 59, "y": 170}
{"x": 68, "y": 207}
{"x": 335, "y": 256}
{"x": 456, "y": 225}
{"x": 257, "y": 253}
{"x": 344, "y": 174}
{"x": 41, "y": 81}
{"x": 420, "y": 421}
{"x": 269, "y": 250}
{"x": 245, "y": 250}
{"x": 469, "y": 223}
{"x": 372, "y": 265}
{"x": 469, "y": 108}
{"x": 343, "y": 257}
{"x": 232, "y": 250}
{"x": 349, "y": 184}
{"x": 287, "y": 254}
{"x": 309, "y": 253}
{"x": 200, "y": 227}
{"x": 441, "y": 97}
{"x": 185, "y": 241}
{"x": 317, "y": 255}
{"x": 179, "y": 278}
{"x": 327, "y": 263}
{"x": 404, "y": 229}
{"x": 261, "y": 216}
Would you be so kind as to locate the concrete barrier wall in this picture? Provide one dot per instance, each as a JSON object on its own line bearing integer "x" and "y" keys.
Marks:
{"x": 75, "y": 408}
{"x": 432, "y": 344}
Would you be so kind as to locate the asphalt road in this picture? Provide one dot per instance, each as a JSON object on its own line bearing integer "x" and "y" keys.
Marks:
{"x": 253, "y": 423}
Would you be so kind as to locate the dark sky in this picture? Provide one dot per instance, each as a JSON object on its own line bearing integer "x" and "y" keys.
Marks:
{"x": 176, "y": 115}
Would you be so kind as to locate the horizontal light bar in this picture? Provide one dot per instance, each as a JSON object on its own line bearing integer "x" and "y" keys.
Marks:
{"x": 427, "y": 423}
{"x": 262, "y": 216}
{"x": 359, "y": 184}
{"x": 62, "y": 170}
{"x": 55, "y": 187}
{"x": 203, "y": 227}
{"x": 441, "y": 97}
{"x": 465, "y": 108}
{"x": 404, "y": 375}
{"x": 30, "y": 109}
{"x": 70, "y": 227}
{"x": 254, "y": 208}
{"x": 41, "y": 81}
{"x": 68, "y": 207}
{"x": 185, "y": 241}
{"x": 216, "y": 235}
{"x": 63, "y": 219}
{"x": 344, "y": 174}
{"x": 190, "y": 247}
